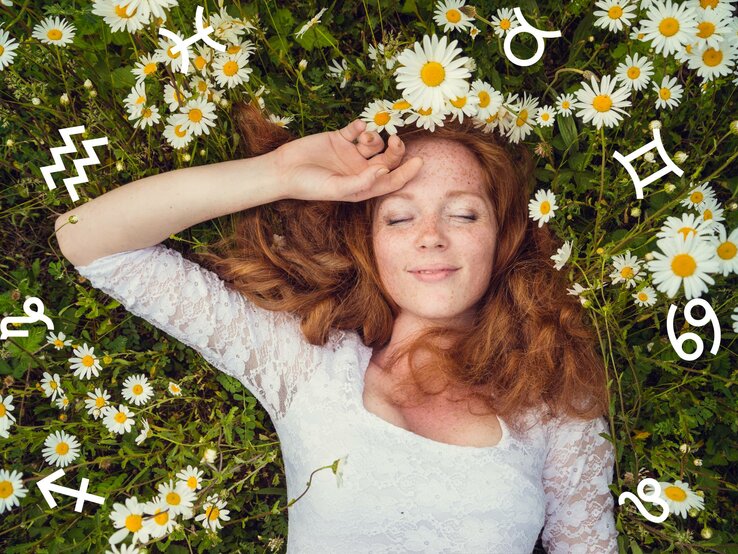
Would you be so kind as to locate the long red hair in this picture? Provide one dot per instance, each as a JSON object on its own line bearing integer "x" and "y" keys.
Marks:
{"x": 529, "y": 344}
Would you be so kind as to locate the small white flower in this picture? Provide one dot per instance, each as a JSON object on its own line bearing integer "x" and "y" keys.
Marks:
{"x": 562, "y": 255}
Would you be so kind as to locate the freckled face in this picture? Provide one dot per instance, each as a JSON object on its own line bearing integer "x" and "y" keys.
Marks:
{"x": 434, "y": 227}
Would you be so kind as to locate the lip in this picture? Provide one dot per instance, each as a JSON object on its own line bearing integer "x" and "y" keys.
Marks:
{"x": 439, "y": 275}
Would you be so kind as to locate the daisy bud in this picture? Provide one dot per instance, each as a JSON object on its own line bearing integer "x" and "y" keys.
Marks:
{"x": 62, "y": 417}
{"x": 10, "y": 143}
{"x": 655, "y": 124}
{"x": 73, "y": 219}
{"x": 734, "y": 127}
{"x": 701, "y": 494}
{"x": 706, "y": 533}
{"x": 8, "y": 381}
{"x": 733, "y": 206}
{"x": 88, "y": 83}
{"x": 15, "y": 295}
{"x": 93, "y": 93}
{"x": 600, "y": 251}
{"x": 202, "y": 152}
{"x": 587, "y": 303}
{"x": 588, "y": 75}
{"x": 649, "y": 346}
{"x": 648, "y": 256}
{"x": 698, "y": 462}
{"x": 107, "y": 359}
{"x": 693, "y": 512}
{"x": 683, "y": 448}
{"x": 104, "y": 463}
{"x": 680, "y": 157}
{"x": 209, "y": 455}
{"x": 187, "y": 157}
{"x": 568, "y": 217}
{"x": 35, "y": 101}
{"x": 119, "y": 166}
{"x": 591, "y": 38}
{"x": 649, "y": 157}
{"x": 635, "y": 212}
{"x": 64, "y": 99}
{"x": 302, "y": 65}
{"x": 223, "y": 102}
{"x": 469, "y": 11}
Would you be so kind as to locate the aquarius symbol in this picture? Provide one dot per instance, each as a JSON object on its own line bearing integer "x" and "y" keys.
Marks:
{"x": 183, "y": 45}
{"x": 33, "y": 316}
{"x": 526, "y": 27}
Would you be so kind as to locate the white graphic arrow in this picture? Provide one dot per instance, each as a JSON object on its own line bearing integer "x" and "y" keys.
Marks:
{"x": 46, "y": 485}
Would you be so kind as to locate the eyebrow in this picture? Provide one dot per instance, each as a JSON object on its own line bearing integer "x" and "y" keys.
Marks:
{"x": 449, "y": 194}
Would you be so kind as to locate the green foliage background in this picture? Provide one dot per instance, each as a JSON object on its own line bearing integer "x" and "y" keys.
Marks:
{"x": 658, "y": 401}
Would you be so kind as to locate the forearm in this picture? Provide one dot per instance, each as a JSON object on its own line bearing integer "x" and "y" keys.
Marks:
{"x": 147, "y": 211}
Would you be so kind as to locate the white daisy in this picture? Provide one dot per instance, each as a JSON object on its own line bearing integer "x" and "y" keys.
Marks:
{"x": 466, "y": 105}
{"x": 614, "y": 14}
{"x": 601, "y": 102}
{"x": 637, "y": 33}
{"x": 145, "y": 67}
{"x": 156, "y": 7}
{"x": 178, "y": 497}
{"x": 645, "y": 297}
{"x": 669, "y": 26}
{"x": 192, "y": 477}
{"x": 687, "y": 224}
{"x": 431, "y": 74}
{"x": 281, "y": 121}
{"x": 503, "y": 119}
{"x": 503, "y": 21}
{"x": 488, "y": 100}
{"x": 176, "y": 135}
{"x": 136, "y": 389}
{"x": 683, "y": 261}
{"x": 118, "y": 420}
{"x": 227, "y": 28}
{"x": 473, "y": 32}
{"x": 96, "y": 402}
{"x": 524, "y": 113}
{"x": 379, "y": 117}
{"x": 669, "y": 93}
{"x": 11, "y": 485}
{"x": 202, "y": 58}
{"x": 59, "y": 341}
{"x": 175, "y": 98}
{"x": 734, "y": 317}
{"x": 698, "y": 195}
{"x": 203, "y": 86}
{"x": 713, "y": 27}
{"x": 726, "y": 249}
{"x": 230, "y": 71}
{"x": 144, "y": 434}
{"x": 678, "y": 496}
{"x": 635, "y": 73}
{"x": 136, "y": 100}
{"x": 542, "y": 208}
{"x": 62, "y": 402}
{"x": 148, "y": 116}
{"x": 448, "y": 15}
{"x": 128, "y": 518}
{"x": 197, "y": 116}
{"x": 213, "y": 513}
{"x": 341, "y": 71}
{"x": 51, "y": 385}
{"x": 174, "y": 389}
{"x": 7, "y": 49}
{"x": 715, "y": 61}
{"x": 85, "y": 362}
{"x": 163, "y": 521}
{"x": 164, "y": 53}
{"x": 61, "y": 449}
{"x": 711, "y": 211}
{"x": 57, "y": 31}
{"x": 428, "y": 118}
{"x": 314, "y": 21}
{"x": 577, "y": 291}
{"x": 562, "y": 255}
{"x": 546, "y": 116}
{"x": 246, "y": 47}
{"x": 7, "y": 419}
{"x": 627, "y": 270}
{"x": 121, "y": 15}
{"x": 564, "y": 103}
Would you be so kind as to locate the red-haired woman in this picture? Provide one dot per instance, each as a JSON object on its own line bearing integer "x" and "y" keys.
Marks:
{"x": 410, "y": 323}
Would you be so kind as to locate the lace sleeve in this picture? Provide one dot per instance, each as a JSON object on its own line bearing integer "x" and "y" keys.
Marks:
{"x": 579, "y": 504}
{"x": 258, "y": 347}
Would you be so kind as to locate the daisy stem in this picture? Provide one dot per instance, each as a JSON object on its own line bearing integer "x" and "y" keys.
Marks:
{"x": 61, "y": 70}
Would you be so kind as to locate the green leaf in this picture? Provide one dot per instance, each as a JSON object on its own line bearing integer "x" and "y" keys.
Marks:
{"x": 568, "y": 129}
{"x": 123, "y": 78}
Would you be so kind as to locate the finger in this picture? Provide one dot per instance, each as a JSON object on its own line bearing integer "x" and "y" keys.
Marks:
{"x": 372, "y": 185}
{"x": 392, "y": 156}
{"x": 351, "y": 131}
{"x": 370, "y": 144}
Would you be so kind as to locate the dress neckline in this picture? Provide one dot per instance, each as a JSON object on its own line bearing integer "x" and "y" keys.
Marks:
{"x": 359, "y": 379}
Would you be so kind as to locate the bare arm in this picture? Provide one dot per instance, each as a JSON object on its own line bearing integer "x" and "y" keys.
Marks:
{"x": 147, "y": 211}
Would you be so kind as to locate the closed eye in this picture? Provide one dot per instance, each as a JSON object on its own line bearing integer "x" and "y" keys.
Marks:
{"x": 469, "y": 217}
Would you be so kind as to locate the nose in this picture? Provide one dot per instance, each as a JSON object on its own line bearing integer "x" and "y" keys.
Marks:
{"x": 431, "y": 233}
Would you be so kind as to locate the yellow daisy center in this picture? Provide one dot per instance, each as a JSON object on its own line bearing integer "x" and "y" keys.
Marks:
{"x": 602, "y": 103}
{"x": 626, "y": 272}
{"x": 52, "y": 384}
{"x": 200, "y": 62}
{"x": 195, "y": 114}
{"x": 669, "y": 26}
{"x": 712, "y": 57}
{"x": 161, "y": 517}
{"x": 2, "y": 49}
{"x": 683, "y": 265}
{"x": 432, "y": 74}
{"x": 696, "y": 197}
{"x": 134, "y": 522}
{"x": 686, "y": 230}
{"x": 642, "y": 296}
{"x": 171, "y": 55}
{"x": 88, "y": 361}
{"x": 230, "y": 68}
{"x": 459, "y": 102}
{"x": 233, "y": 49}
{"x": 688, "y": 48}
{"x": 401, "y": 105}
{"x": 120, "y": 417}
{"x": 616, "y": 12}
{"x": 381, "y": 118}
{"x": 137, "y": 389}
{"x": 483, "y": 99}
{"x": 121, "y": 11}
{"x": 173, "y": 498}
{"x": 192, "y": 482}
{"x": 545, "y": 207}
{"x": 727, "y": 250}
{"x": 427, "y": 111}
{"x": 179, "y": 132}
{"x": 6, "y": 489}
{"x": 491, "y": 118}
{"x": 565, "y": 105}
{"x": 99, "y": 402}
{"x": 202, "y": 86}
{"x": 453, "y": 16}
{"x": 213, "y": 513}
{"x": 146, "y": 113}
{"x": 522, "y": 118}
{"x": 175, "y": 388}
{"x": 707, "y": 215}
{"x": 665, "y": 93}
{"x": 706, "y": 29}
{"x": 545, "y": 116}
{"x": 675, "y": 493}
{"x": 62, "y": 448}
{"x": 54, "y": 34}
{"x": 505, "y": 24}
{"x": 140, "y": 100}
{"x": 58, "y": 343}
{"x": 149, "y": 68}
{"x": 3, "y": 410}
{"x": 634, "y": 72}
{"x": 708, "y": 4}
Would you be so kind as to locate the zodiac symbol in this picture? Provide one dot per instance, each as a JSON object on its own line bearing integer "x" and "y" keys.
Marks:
{"x": 526, "y": 27}
{"x": 183, "y": 45}
{"x": 33, "y": 316}
{"x": 653, "y": 497}
{"x": 677, "y": 343}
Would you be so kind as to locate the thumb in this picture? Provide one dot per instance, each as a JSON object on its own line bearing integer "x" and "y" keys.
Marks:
{"x": 357, "y": 185}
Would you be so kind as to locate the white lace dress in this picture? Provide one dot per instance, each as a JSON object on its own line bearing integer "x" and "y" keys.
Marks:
{"x": 400, "y": 492}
